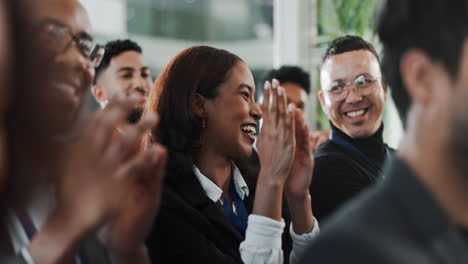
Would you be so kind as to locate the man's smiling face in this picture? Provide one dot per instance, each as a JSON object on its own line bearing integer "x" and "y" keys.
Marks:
{"x": 356, "y": 115}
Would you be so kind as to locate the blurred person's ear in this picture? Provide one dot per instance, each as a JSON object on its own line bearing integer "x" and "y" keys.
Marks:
{"x": 198, "y": 105}
{"x": 321, "y": 98}
{"x": 98, "y": 93}
{"x": 417, "y": 75}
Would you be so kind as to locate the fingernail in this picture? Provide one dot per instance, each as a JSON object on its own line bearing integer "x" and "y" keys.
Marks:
{"x": 280, "y": 90}
{"x": 275, "y": 83}
{"x": 267, "y": 85}
{"x": 290, "y": 107}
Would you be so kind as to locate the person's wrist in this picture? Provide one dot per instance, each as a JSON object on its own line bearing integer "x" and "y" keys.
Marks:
{"x": 301, "y": 214}
{"x": 58, "y": 240}
{"x": 71, "y": 223}
{"x": 76, "y": 222}
{"x": 298, "y": 196}
{"x": 272, "y": 179}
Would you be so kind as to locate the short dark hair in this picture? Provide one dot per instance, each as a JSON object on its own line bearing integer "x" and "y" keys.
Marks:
{"x": 292, "y": 74}
{"x": 437, "y": 27}
{"x": 348, "y": 43}
{"x": 115, "y": 48}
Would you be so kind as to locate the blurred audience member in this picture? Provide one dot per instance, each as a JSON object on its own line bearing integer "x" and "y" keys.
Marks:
{"x": 123, "y": 71}
{"x": 295, "y": 81}
{"x": 7, "y": 51}
{"x": 353, "y": 96}
{"x": 419, "y": 213}
{"x": 65, "y": 181}
{"x": 296, "y": 84}
{"x": 10, "y": 31}
{"x": 205, "y": 97}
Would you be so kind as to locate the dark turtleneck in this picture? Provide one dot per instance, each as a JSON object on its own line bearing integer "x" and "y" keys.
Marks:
{"x": 372, "y": 147}
{"x": 343, "y": 170}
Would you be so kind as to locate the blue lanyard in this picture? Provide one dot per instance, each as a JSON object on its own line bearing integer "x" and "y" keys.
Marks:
{"x": 239, "y": 220}
{"x": 345, "y": 144}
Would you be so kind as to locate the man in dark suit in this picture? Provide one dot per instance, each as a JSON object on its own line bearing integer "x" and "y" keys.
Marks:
{"x": 419, "y": 214}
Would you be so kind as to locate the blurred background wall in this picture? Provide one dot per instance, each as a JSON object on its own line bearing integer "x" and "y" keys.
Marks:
{"x": 264, "y": 33}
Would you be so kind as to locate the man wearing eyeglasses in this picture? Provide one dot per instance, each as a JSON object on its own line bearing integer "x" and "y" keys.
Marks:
{"x": 353, "y": 96}
{"x": 73, "y": 184}
{"x": 65, "y": 35}
{"x": 419, "y": 214}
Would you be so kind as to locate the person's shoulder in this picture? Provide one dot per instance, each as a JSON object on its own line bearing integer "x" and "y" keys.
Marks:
{"x": 324, "y": 148}
{"x": 373, "y": 226}
{"x": 329, "y": 152}
{"x": 358, "y": 230}
{"x": 343, "y": 245}
{"x": 331, "y": 160}
{"x": 175, "y": 203}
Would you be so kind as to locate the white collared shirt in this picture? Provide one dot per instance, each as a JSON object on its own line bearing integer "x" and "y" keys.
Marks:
{"x": 214, "y": 192}
{"x": 38, "y": 208}
{"x": 40, "y": 205}
{"x": 262, "y": 242}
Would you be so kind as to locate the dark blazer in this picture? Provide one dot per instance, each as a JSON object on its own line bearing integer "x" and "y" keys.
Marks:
{"x": 396, "y": 221}
{"x": 190, "y": 228}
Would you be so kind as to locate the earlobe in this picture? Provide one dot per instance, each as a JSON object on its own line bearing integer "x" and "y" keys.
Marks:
{"x": 385, "y": 89}
{"x": 321, "y": 98}
{"x": 415, "y": 71}
{"x": 97, "y": 93}
{"x": 198, "y": 105}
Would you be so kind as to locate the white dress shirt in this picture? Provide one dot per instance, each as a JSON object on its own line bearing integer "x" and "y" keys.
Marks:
{"x": 38, "y": 208}
{"x": 41, "y": 204}
{"x": 262, "y": 242}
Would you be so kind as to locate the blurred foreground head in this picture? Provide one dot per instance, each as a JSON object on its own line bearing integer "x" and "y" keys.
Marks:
{"x": 54, "y": 69}
{"x": 63, "y": 33}
{"x": 20, "y": 67}
{"x": 7, "y": 53}
{"x": 426, "y": 64}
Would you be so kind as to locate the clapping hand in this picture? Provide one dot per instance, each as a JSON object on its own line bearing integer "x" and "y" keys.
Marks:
{"x": 104, "y": 181}
{"x": 276, "y": 149}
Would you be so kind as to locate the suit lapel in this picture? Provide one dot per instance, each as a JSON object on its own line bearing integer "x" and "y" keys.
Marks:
{"x": 223, "y": 232}
{"x": 215, "y": 214}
